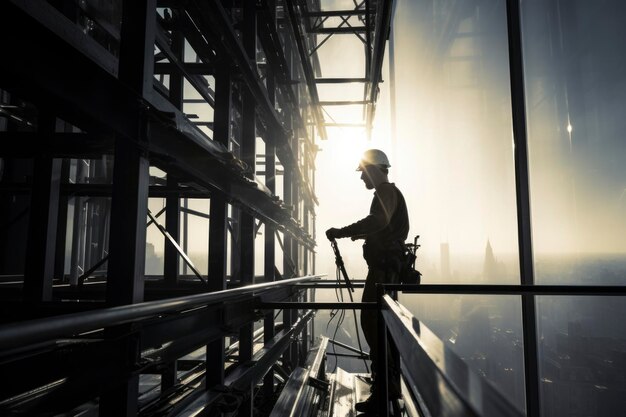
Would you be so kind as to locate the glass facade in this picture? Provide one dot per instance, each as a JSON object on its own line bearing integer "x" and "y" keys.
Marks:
{"x": 454, "y": 108}
{"x": 575, "y": 99}
{"x": 453, "y": 104}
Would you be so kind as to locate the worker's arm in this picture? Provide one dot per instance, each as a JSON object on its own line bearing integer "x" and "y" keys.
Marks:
{"x": 381, "y": 211}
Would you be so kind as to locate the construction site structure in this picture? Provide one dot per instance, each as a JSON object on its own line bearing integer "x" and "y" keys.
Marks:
{"x": 123, "y": 118}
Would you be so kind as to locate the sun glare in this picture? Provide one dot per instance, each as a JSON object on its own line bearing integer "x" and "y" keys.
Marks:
{"x": 345, "y": 146}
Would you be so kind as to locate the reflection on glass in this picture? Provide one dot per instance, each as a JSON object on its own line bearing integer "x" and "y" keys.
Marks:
{"x": 484, "y": 331}
{"x": 576, "y": 101}
{"x": 454, "y": 109}
{"x": 582, "y": 352}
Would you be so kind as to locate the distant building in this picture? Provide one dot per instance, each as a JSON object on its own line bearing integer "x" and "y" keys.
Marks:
{"x": 493, "y": 271}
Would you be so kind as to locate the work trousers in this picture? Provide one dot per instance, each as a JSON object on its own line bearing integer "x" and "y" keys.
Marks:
{"x": 369, "y": 323}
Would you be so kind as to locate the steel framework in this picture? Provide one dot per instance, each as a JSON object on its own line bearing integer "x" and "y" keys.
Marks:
{"x": 107, "y": 107}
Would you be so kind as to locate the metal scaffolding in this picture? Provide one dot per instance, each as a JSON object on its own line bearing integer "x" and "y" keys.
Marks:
{"x": 108, "y": 106}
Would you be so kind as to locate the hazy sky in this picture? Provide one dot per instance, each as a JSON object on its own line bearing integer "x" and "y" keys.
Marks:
{"x": 453, "y": 155}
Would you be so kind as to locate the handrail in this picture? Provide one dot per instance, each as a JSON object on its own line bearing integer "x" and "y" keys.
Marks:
{"x": 487, "y": 289}
{"x": 39, "y": 330}
{"x": 446, "y": 385}
{"x": 483, "y": 289}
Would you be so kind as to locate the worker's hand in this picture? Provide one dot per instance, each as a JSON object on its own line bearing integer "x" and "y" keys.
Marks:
{"x": 332, "y": 233}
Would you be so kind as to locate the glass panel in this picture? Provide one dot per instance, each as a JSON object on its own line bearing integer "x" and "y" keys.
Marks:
{"x": 485, "y": 331}
{"x": 453, "y": 155}
{"x": 582, "y": 356}
{"x": 576, "y": 100}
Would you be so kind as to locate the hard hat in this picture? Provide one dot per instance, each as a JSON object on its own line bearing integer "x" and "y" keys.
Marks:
{"x": 373, "y": 157}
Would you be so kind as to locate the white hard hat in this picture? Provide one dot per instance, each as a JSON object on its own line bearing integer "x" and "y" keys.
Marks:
{"x": 373, "y": 157}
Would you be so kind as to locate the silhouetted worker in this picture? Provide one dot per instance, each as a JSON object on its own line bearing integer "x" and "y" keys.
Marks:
{"x": 385, "y": 229}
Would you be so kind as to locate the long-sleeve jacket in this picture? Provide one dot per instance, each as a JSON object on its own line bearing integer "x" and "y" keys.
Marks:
{"x": 387, "y": 222}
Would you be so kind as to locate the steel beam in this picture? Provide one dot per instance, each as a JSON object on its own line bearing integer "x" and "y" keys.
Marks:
{"x": 335, "y": 13}
{"x": 218, "y": 225}
{"x": 198, "y": 82}
{"x": 129, "y": 205}
{"x": 340, "y": 80}
{"x": 182, "y": 146}
{"x": 309, "y": 76}
{"x": 382, "y": 27}
{"x": 342, "y": 30}
{"x": 294, "y": 305}
{"x": 344, "y": 103}
{"x": 42, "y": 225}
{"x": 192, "y": 68}
{"x": 543, "y": 290}
{"x": 59, "y": 263}
{"x": 247, "y": 230}
{"x": 54, "y": 144}
{"x": 171, "y": 263}
{"x": 522, "y": 192}
{"x": 21, "y": 335}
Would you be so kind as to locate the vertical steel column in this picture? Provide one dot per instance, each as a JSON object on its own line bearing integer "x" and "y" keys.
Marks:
{"x": 296, "y": 356}
{"x": 129, "y": 205}
{"x": 288, "y": 268}
{"x": 59, "y": 262}
{"x": 218, "y": 224}
{"x": 171, "y": 261}
{"x": 77, "y": 226}
{"x": 295, "y": 193}
{"x": 247, "y": 224}
{"x": 524, "y": 229}
{"x": 130, "y": 173}
{"x": 382, "y": 378}
{"x": 269, "y": 263}
{"x": 42, "y": 224}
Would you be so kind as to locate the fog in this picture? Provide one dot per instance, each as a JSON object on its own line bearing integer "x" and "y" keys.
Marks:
{"x": 452, "y": 155}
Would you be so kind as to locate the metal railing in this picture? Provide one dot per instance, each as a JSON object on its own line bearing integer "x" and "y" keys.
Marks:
{"x": 84, "y": 353}
{"x": 441, "y": 383}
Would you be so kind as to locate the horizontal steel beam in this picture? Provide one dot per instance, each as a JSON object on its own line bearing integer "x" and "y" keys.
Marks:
{"x": 199, "y": 68}
{"x": 197, "y": 81}
{"x": 327, "y": 284}
{"x": 105, "y": 190}
{"x": 57, "y": 145}
{"x": 21, "y": 334}
{"x": 343, "y": 103}
{"x": 381, "y": 34}
{"x": 343, "y": 30}
{"x": 538, "y": 290}
{"x": 306, "y": 65}
{"x": 335, "y": 13}
{"x": 340, "y": 80}
{"x": 354, "y": 125}
{"x": 285, "y": 305}
{"x": 265, "y": 358}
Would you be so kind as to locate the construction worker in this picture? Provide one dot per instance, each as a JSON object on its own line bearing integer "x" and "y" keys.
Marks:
{"x": 384, "y": 229}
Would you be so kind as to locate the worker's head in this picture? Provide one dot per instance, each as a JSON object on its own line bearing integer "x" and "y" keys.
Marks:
{"x": 374, "y": 167}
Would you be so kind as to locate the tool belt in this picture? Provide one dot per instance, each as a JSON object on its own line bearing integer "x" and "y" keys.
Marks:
{"x": 392, "y": 256}
{"x": 387, "y": 256}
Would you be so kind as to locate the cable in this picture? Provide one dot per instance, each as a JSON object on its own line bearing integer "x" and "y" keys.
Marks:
{"x": 335, "y": 313}
{"x": 341, "y": 270}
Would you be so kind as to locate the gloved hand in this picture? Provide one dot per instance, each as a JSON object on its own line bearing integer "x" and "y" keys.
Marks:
{"x": 333, "y": 233}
